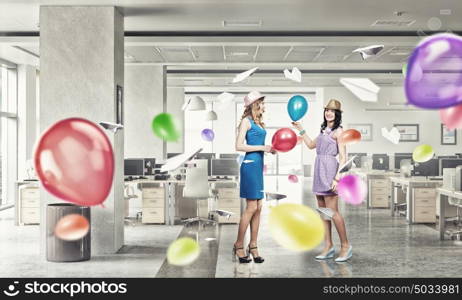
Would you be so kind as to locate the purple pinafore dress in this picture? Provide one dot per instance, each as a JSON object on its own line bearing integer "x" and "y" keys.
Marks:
{"x": 326, "y": 164}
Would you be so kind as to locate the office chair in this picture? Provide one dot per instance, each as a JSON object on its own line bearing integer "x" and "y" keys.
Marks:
{"x": 197, "y": 188}
{"x": 129, "y": 193}
{"x": 458, "y": 231}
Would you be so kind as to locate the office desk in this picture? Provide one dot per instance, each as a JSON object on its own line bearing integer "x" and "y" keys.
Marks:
{"x": 420, "y": 195}
{"x": 378, "y": 191}
{"x": 445, "y": 195}
{"x": 173, "y": 194}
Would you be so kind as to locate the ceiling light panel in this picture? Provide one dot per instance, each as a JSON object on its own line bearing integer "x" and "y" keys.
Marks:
{"x": 303, "y": 53}
{"x": 208, "y": 53}
{"x": 176, "y": 54}
{"x": 240, "y": 53}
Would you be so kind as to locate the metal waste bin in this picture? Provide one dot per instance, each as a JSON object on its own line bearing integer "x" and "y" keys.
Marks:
{"x": 59, "y": 250}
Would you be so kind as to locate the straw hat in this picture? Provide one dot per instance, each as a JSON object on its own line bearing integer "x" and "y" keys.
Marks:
{"x": 252, "y": 97}
{"x": 334, "y": 104}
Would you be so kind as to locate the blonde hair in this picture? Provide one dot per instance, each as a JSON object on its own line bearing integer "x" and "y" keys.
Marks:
{"x": 252, "y": 111}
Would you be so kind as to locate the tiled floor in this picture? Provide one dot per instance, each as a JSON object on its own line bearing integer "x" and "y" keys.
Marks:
{"x": 382, "y": 247}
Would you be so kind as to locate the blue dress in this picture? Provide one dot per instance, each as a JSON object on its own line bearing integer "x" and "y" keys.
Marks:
{"x": 252, "y": 165}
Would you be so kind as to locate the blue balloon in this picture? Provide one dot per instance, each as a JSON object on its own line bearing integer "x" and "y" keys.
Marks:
{"x": 297, "y": 107}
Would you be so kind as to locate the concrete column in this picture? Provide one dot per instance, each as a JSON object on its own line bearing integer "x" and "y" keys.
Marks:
{"x": 145, "y": 97}
{"x": 27, "y": 118}
{"x": 81, "y": 64}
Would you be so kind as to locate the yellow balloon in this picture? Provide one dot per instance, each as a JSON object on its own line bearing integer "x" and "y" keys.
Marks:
{"x": 296, "y": 227}
{"x": 423, "y": 153}
{"x": 183, "y": 251}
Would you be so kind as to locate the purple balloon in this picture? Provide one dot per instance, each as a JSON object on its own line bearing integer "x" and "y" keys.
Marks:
{"x": 352, "y": 189}
{"x": 208, "y": 135}
{"x": 434, "y": 73}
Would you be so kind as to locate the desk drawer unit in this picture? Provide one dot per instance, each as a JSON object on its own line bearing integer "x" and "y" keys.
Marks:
{"x": 379, "y": 183}
{"x": 30, "y": 215}
{"x": 424, "y": 214}
{"x": 153, "y": 205}
{"x": 429, "y": 193}
{"x": 228, "y": 199}
{"x": 153, "y": 215}
{"x": 379, "y": 193}
{"x": 29, "y": 205}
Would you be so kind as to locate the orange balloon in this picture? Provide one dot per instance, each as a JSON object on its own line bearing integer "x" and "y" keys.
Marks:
{"x": 72, "y": 227}
{"x": 349, "y": 136}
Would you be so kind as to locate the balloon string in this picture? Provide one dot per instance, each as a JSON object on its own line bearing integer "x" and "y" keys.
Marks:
{"x": 102, "y": 205}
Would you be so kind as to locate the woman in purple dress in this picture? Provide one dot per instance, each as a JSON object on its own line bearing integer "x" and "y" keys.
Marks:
{"x": 326, "y": 176}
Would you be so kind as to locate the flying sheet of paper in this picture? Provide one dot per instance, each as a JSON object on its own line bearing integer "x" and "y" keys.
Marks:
{"x": 369, "y": 51}
{"x": 363, "y": 88}
{"x": 326, "y": 212}
{"x": 241, "y": 76}
{"x": 274, "y": 195}
{"x": 295, "y": 75}
{"x": 224, "y": 100}
{"x": 185, "y": 105}
{"x": 178, "y": 160}
{"x": 347, "y": 166}
{"x": 393, "y": 135}
{"x": 224, "y": 213}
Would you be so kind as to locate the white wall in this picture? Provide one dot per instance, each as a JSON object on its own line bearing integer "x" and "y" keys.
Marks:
{"x": 353, "y": 112}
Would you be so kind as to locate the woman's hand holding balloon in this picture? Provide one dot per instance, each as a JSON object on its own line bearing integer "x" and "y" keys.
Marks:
{"x": 297, "y": 126}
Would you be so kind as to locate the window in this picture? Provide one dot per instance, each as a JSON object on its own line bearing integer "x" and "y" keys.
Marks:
{"x": 8, "y": 134}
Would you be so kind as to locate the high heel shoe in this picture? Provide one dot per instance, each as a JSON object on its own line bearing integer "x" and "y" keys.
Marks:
{"x": 242, "y": 259}
{"x": 329, "y": 254}
{"x": 346, "y": 257}
{"x": 256, "y": 259}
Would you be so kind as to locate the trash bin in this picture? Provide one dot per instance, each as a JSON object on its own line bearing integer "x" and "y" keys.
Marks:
{"x": 59, "y": 250}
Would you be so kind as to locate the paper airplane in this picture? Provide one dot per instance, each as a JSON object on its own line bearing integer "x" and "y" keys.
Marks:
{"x": 296, "y": 75}
{"x": 224, "y": 213}
{"x": 369, "y": 51}
{"x": 274, "y": 196}
{"x": 185, "y": 105}
{"x": 178, "y": 160}
{"x": 347, "y": 166}
{"x": 241, "y": 76}
{"x": 363, "y": 88}
{"x": 325, "y": 212}
{"x": 393, "y": 135}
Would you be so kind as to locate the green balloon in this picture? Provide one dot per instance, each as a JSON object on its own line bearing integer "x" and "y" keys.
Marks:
{"x": 183, "y": 251}
{"x": 164, "y": 127}
{"x": 423, "y": 153}
{"x": 404, "y": 70}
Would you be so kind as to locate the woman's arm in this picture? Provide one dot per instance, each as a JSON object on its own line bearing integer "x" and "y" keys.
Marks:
{"x": 311, "y": 144}
{"x": 241, "y": 146}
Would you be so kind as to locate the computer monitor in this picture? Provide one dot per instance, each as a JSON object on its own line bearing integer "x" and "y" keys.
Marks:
{"x": 170, "y": 155}
{"x": 208, "y": 157}
{"x": 229, "y": 155}
{"x": 149, "y": 166}
{"x": 399, "y": 157}
{"x": 357, "y": 160}
{"x": 447, "y": 156}
{"x": 449, "y": 163}
{"x": 459, "y": 155}
{"x": 225, "y": 167}
{"x": 380, "y": 162}
{"x": 134, "y": 167}
{"x": 428, "y": 168}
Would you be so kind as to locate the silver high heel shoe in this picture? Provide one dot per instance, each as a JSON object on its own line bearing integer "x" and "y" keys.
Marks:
{"x": 329, "y": 254}
{"x": 346, "y": 257}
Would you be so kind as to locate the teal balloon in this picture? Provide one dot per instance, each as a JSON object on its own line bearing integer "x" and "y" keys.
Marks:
{"x": 297, "y": 107}
{"x": 164, "y": 127}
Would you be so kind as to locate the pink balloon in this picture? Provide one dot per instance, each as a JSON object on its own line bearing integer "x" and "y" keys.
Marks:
{"x": 352, "y": 189}
{"x": 452, "y": 117}
{"x": 293, "y": 178}
{"x": 72, "y": 227}
{"x": 284, "y": 140}
{"x": 75, "y": 162}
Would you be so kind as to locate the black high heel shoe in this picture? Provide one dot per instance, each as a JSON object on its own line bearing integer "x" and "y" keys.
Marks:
{"x": 242, "y": 259}
{"x": 256, "y": 259}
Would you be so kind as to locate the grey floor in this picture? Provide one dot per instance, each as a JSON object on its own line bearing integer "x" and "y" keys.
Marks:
{"x": 382, "y": 247}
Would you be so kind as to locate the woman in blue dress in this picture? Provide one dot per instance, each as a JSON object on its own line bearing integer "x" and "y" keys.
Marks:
{"x": 251, "y": 139}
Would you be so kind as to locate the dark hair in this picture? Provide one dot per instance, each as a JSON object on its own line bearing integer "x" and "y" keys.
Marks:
{"x": 337, "y": 120}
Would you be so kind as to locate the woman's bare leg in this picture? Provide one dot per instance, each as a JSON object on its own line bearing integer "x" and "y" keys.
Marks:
{"x": 327, "y": 226}
{"x": 250, "y": 210}
{"x": 254, "y": 226}
{"x": 339, "y": 222}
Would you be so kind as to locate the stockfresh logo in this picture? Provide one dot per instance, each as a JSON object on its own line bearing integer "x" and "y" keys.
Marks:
{"x": 11, "y": 290}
